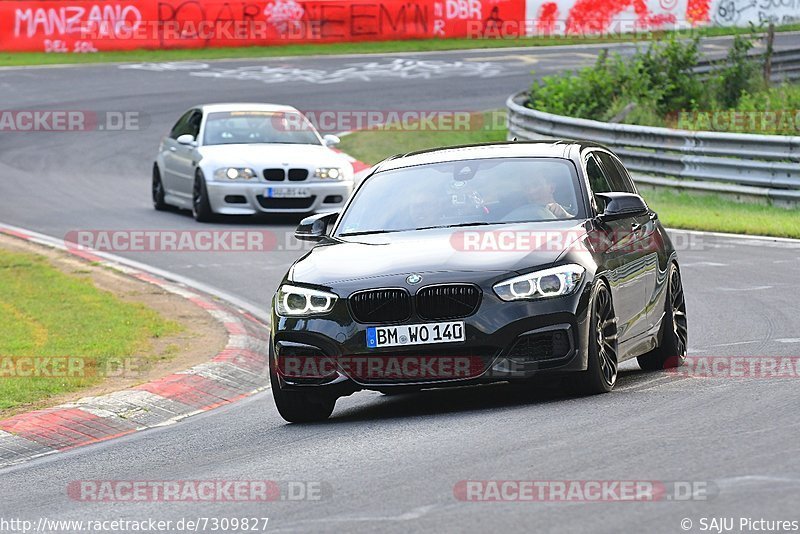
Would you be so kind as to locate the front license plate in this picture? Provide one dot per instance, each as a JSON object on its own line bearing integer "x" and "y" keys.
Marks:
{"x": 287, "y": 192}
{"x": 415, "y": 334}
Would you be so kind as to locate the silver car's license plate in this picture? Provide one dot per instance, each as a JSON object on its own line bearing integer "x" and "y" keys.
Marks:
{"x": 415, "y": 334}
{"x": 287, "y": 192}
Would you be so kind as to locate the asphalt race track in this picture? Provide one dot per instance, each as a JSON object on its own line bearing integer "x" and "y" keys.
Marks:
{"x": 392, "y": 463}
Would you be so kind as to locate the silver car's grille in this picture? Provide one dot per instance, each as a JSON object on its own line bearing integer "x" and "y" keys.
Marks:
{"x": 285, "y": 203}
{"x": 279, "y": 175}
{"x": 274, "y": 175}
{"x": 298, "y": 175}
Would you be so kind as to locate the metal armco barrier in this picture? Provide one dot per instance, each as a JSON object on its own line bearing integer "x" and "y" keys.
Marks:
{"x": 742, "y": 164}
{"x": 785, "y": 65}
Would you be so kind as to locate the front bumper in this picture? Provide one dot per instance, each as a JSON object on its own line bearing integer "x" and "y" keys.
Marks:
{"x": 241, "y": 198}
{"x": 490, "y": 353}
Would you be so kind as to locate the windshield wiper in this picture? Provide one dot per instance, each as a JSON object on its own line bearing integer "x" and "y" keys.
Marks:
{"x": 459, "y": 225}
{"x": 370, "y": 232}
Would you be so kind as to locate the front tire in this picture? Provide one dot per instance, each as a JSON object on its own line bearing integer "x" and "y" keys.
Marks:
{"x": 601, "y": 374}
{"x": 672, "y": 351}
{"x": 158, "y": 191}
{"x": 201, "y": 207}
{"x": 299, "y": 406}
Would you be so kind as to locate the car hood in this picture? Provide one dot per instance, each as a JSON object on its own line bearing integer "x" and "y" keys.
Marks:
{"x": 496, "y": 249}
{"x": 260, "y": 156}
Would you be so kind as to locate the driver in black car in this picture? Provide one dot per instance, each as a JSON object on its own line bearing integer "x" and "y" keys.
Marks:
{"x": 541, "y": 203}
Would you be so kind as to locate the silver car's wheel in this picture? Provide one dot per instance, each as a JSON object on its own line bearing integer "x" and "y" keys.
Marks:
{"x": 201, "y": 208}
{"x": 158, "y": 190}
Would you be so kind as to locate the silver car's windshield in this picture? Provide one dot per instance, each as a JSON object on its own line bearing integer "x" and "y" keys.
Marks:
{"x": 249, "y": 127}
{"x": 464, "y": 193}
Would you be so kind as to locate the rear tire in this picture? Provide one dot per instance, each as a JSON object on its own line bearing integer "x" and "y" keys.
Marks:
{"x": 671, "y": 352}
{"x": 201, "y": 207}
{"x": 299, "y": 406}
{"x": 158, "y": 191}
{"x": 601, "y": 373}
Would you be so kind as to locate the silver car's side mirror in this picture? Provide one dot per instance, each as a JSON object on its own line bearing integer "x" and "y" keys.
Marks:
{"x": 331, "y": 140}
{"x": 186, "y": 139}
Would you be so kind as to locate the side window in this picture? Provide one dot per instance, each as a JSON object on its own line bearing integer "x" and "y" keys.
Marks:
{"x": 193, "y": 128}
{"x": 618, "y": 178}
{"x": 625, "y": 175}
{"x": 597, "y": 179}
{"x": 180, "y": 126}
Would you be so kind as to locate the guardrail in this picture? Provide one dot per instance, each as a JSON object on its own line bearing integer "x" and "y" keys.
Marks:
{"x": 761, "y": 166}
{"x": 785, "y": 64}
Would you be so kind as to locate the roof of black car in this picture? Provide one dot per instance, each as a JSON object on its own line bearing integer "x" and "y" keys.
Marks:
{"x": 510, "y": 149}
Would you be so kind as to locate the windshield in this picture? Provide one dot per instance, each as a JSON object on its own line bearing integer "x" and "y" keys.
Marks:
{"x": 248, "y": 127}
{"x": 463, "y": 193}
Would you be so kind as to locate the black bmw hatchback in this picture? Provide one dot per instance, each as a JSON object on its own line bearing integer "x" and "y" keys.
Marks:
{"x": 474, "y": 264}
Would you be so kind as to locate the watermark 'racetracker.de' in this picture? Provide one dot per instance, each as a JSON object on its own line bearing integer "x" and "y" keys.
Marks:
{"x": 64, "y": 120}
{"x": 583, "y": 490}
{"x": 218, "y": 491}
{"x": 61, "y": 367}
{"x": 750, "y": 367}
{"x": 172, "y": 240}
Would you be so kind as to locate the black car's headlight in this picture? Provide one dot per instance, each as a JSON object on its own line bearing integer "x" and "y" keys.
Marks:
{"x": 293, "y": 301}
{"x": 555, "y": 282}
{"x": 234, "y": 173}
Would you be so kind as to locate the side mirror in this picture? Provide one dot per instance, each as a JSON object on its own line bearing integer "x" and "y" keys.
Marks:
{"x": 331, "y": 140}
{"x": 621, "y": 205}
{"x": 186, "y": 139}
{"x": 315, "y": 228}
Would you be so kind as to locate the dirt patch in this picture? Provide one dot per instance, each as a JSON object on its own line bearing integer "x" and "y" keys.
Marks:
{"x": 201, "y": 338}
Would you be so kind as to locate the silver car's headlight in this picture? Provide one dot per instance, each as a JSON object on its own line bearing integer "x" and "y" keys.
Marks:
{"x": 555, "y": 282}
{"x": 293, "y": 301}
{"x": 329, "y": 173}
{"x": 234, "y": 173}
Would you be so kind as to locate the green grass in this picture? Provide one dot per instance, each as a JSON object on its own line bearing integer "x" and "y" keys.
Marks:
{"x": 716, "y": 214}
{"x": 676, "y": 209}
{"x": 378, "y": 47}
{"x": 371, "y": 146}
{"x": 48, "y": 313}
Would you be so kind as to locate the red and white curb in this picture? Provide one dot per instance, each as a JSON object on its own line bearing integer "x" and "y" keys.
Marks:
{"x": 360, "y": 168}
{"x": 238, "y": 371}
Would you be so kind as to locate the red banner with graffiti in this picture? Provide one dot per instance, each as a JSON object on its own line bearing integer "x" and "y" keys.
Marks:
{"x": 99, "y": 25}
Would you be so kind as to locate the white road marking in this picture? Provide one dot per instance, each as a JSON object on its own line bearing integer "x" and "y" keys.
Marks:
{"x": 704, "y": 264}
{"x": 527, "y": 60}
{"x": 640, "y": 385}
{"x": 753, "y": 288}
{"x": 756, "y": 479}
{"x": 735, "y": 344}
{"x": 411, "y": 515}
{"x": 767, "y": 241}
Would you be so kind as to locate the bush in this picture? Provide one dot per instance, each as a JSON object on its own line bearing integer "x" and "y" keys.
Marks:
{"x": 739, "y": 76}
{"x": 660, "y": 82}
{"x": 660, "y": 78}
{"x": 582, "y": 94}
{"x": 669, "y": 69}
